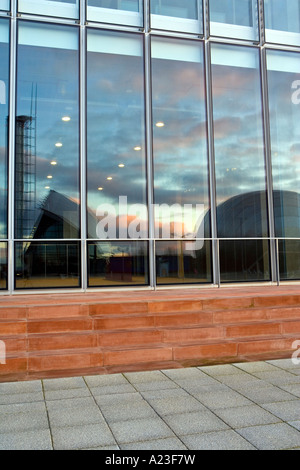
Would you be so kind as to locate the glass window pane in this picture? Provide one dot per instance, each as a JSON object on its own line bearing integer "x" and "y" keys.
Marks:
{"x": 181, "y": 188}
{"x": 239, "y": 145}
{"x": 57, "y": 8}
{"x": 289, "y": 259}
{"x": 47, "y": 137}
{"x": 4, "y": 5}
{"x": 47, "y": 265}
{"x": 116, "y": 264}
{"x": 3, "y": 266}
{"x": 234, "y": 18}
{"x": 116, "y": 173}
{"x": 284, "y": 110}
{"x": 181, "y": 262}
{"x": 244, "y": 260}
{"x": 4, "y": 110}
{"x": 282, "y": 21}
{"x": 176, "y": 15}
{"x": 126, "y": 12}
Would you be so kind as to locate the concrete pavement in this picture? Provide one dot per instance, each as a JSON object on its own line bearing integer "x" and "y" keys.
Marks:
{"x": 231, "y": 407}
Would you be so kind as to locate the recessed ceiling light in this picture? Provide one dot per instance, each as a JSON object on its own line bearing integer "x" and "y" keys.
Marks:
{"x": 160, "y": 124}
{"x": 109, "y": 178}
{"x": 53, "y": 163}
{"x": 58, "y": 144}
{"x": 47, "y": 187}
{"x": 121, "y": 165}
{"x": 137, "y": 148}
{"x": 66, "y": 118}
{"x": 49, "y": 177}
{"x": 100, "y": 189}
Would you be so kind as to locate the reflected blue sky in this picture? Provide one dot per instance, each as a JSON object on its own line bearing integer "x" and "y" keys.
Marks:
{"x": 4, "y": 104}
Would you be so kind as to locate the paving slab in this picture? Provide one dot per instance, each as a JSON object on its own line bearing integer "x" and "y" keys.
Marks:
{"x": 231, "y": 407}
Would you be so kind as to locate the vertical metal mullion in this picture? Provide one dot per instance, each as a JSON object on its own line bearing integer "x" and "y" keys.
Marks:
{"x": 211, "y": 165}
{"x": 11, "y": 152}
{"x": 268, "y": 164}
{"x": 83, "y": 137}
{"x": 149, "y": 152}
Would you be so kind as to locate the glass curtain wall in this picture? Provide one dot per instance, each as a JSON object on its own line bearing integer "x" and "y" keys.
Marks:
{"x": 282, "y": 21}
{"x": 125, "y": 12}
{"x": 234, "y": 19}
{"x": 175, "y": 15}
{"x": 4, "y": 5}
{"x": 116, "y": 159}
{"x": 148, "y": 143}
{"x": 57, "y": 8}
{"x": 241, "y": 193}
{"x": 4, "y": 116}
{"x": 283, "y": 71}
{"x": 181, "y": 189}
{"x": 47, "y": 197}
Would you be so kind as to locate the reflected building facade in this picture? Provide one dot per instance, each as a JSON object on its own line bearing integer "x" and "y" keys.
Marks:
{"x": 149, "y": 143}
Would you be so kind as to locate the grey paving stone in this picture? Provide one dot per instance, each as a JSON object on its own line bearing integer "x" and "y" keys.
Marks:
{"x": 279, "y": 436}
{"x": 105, "y": 380}
{"x": 194, "y": 422}
{"x": 112, "y": 389}
{"x": 156, "y": 385}
{"x": 75, "y": 416}
{"x": 15, "y": 398}
{"x": 171, "y": 443}
{"x": 123, "y": 398}
{"x": 67, "y": 393}
{"x": 34, "y": 407}
{"x": 295, "y": 424}
{"x": 224, "y": 369}
{"x": 278, "y": 377}
{"x": 63, "y": 383}
{"x": 183, "y": 374}
{"x": 245, "y": 416}
{"x": 239, "y": 382}
{"x": 250, "y": 367}
{"x": 127, "y": 411}
{"x": 67, "y": 403}
{"x": 147, "y": 376}
{"x": 286, "y": 411}
{"x": 39, "y": 439}
{"x": 166, "y": 393}
{"x": 81, "y": 437}
{"x": 223, "y": 399}
{"x": 10, "y": 388}
{"x": 176, "y": 405}
{"x": 267, "y": 394}
{"x": 137, "y": 430}
{"x": 223, "y": 440}
{"x": 18, "y": 422}
{"x": 293, "y": 389}
{"x": 284, "y": 364}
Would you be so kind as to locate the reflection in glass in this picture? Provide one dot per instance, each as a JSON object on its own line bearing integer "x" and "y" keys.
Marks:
{"x": 3, "y": 266}
{"x": 244, "y": 260}
{"x": 116, "y": 175}
{"x": 47, "y": 137}
{"x": 4, "y": 5}
{"x": 119, "y": 263}
{"x": 127, "y": 12}
{"x": 4, "y": 109}
{"x": 282, "y": 21}
{"x": 47, "y": 265}
{"x": 59, "y": 8}
{"x": 289, "y": 259}
{"x": 234, "y": 18}
{"x": 239, "y": 147}
{"x": 177, "y": 15}
{"x": 179, "y": 133}
{"x": 180, "y": 262}
{"x": 284, "y": 101}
